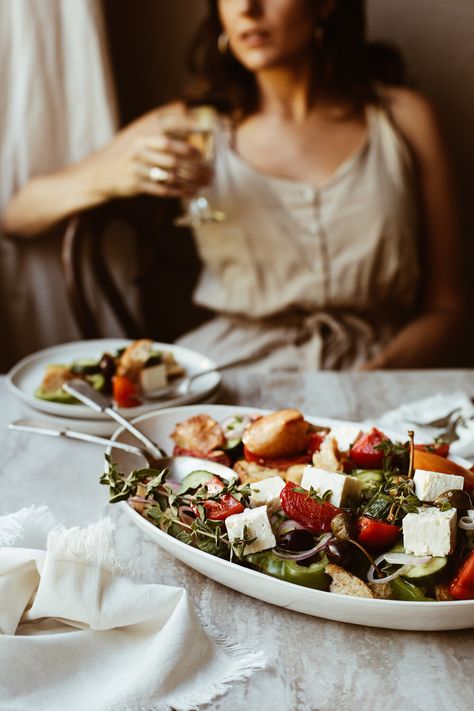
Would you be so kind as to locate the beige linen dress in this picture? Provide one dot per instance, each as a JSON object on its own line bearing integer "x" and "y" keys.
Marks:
{"x": 305, "y": 276}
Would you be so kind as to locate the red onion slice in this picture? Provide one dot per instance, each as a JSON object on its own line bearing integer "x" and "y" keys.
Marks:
{"x": 395, "y": 558}
{"x": 467, "y": 523}
{"x": 186, "y": 514}
{"x": 302, "y": 555}
{"x": 290, "y": 525}
{"x": 406, "y": 559}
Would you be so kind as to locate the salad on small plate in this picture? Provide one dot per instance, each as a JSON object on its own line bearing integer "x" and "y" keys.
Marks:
{"x": 328, "y": 507}
{"x": 129, "y": 374}
{"x": 127, "y": 370}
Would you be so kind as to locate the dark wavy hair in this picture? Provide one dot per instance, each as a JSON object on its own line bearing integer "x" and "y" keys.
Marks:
{"x": 349, "y": 68}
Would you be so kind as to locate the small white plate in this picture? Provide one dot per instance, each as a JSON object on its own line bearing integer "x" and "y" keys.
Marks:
{"x": 391, "y": 614}
{"x": 26, "y": 376}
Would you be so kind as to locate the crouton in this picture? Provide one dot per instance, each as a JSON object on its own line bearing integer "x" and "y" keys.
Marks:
{"x": 345, "y": 583}
{"x": 281, "y": 434}
{"x": 328, "y": 457}
{"x": 199, "y": 433}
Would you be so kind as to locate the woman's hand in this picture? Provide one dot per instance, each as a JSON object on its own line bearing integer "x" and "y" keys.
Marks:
{"x": 139, "y": 159}
{"x": 155, "y": 165}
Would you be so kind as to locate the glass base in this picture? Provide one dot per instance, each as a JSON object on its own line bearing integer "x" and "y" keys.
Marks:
{"x": 198, "y": 213}
{"x": 188, "y": 220}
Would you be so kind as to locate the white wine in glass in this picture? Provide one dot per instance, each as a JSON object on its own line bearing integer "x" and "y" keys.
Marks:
{"x": 197, "y": 127}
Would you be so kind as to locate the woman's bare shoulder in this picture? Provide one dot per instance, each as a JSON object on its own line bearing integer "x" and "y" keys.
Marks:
{"x": 415, "y": 117}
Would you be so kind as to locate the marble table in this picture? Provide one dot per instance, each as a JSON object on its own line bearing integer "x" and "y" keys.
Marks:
{"x": 313, "y": 664}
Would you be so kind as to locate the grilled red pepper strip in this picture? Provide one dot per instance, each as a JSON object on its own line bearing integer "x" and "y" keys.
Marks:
{"x": 462, "y": 586}
{"x": 313, "y": 515}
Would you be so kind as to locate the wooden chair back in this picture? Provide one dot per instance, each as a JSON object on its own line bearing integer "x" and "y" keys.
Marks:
{"x": 166, "y": 270}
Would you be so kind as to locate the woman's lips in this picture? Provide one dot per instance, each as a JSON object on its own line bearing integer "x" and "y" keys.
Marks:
{"x": 254, "y": 38}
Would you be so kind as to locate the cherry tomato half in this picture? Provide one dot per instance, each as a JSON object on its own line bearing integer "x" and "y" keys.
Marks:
{"x": 125, "y": 391}
{"x": 225, "y": 506}
{"x": 375, "y": 535}
{"x": 313, "y": 515}
{"x": 364, "y": 451}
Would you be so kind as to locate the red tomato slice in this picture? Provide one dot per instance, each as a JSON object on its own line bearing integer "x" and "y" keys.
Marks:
{"x": 221, "y": 509}
{"x": 442, "y": 450}
{"x": 125, "y": 391}
{"x": 376, "y": 535}
{"x": 462, "y": 586}
{"x": 310, "y": 513}
{"x": 215, "y": 456}
{"x": 275, "y": 462}
{"x": 364, "y": 453}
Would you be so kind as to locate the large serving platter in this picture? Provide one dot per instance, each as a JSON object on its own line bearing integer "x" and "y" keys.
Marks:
{"x": 26, "y": 376}
{"x": 391, "y": 614}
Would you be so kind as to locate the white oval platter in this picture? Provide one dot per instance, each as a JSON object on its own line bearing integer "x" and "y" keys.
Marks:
{"x": 391, "y": 614}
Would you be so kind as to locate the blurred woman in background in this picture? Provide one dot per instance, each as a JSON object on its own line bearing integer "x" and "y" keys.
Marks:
{"x": 340, "y": 246}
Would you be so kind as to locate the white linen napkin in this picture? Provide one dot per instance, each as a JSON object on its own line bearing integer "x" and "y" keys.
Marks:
{"x": 417, "y": 416}
{"x": 79, "y": 632}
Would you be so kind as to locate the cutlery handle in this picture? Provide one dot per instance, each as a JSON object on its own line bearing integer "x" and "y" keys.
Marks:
{"x": 95, "y": 400}
{"x": 154, "y": 450}
{"x": 40, "y": 428}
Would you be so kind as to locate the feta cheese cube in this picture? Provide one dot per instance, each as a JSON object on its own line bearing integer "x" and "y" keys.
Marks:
{"x": 345, "y": 435}
{"x": 258, "y": 526}
{"x": 430, "y": 531}
{"x": 153, "y": 378}
{"x": 266, "y": 491}
{"x": 429, "y": 485}
{"x": 342, "y": 486}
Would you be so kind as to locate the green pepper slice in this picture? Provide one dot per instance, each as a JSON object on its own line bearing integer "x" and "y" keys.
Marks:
{"x": 312, "y": 576}
{"x": 403, "y": 590}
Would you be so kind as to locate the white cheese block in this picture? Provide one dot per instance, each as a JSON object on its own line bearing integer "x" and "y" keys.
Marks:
{"x": 258, "y": 526}
{"x": 153, "y": 378}
{"x": 342, "y": 486}
{"x": 266, "y": 491}
{"x": 430, "y": 531}
{"x": 345, "y": 435}
{"x": 429, "y": 485}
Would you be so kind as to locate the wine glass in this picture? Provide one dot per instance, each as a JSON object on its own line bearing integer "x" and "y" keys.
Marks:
{"x": 197, "y": 126}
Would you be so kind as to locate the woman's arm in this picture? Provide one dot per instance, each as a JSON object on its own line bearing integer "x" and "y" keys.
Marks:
{"x": 434, "y": 338}
{"x": 120, "y": 169}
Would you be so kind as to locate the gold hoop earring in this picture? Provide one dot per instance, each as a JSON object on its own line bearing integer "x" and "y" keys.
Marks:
{"x": 223, "y": 44}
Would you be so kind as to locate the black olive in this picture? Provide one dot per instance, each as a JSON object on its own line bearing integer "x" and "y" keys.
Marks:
{"x": 296, "y": 540}
{"x": 338, "y": 552}
{"x": 107, "y": 367}
{"x": 457, "y": 498}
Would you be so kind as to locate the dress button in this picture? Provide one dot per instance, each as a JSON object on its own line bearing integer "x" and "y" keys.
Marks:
{"x": 307, "y": 194}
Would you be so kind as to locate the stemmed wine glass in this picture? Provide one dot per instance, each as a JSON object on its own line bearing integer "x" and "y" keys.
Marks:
{"x": 197, "y": 126}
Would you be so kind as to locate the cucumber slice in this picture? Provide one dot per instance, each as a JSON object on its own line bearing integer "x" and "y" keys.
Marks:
{"x": 194, "y": 480}
{"x": 85, "y": 366}
{"x": 58, "y": 395}
{"x": 369, "y": 476}
{"x": 427, "y": 573}
{"x": 97, "y": 381}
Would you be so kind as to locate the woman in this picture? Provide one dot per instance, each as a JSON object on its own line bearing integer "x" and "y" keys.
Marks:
{"x": 340, "y": 245}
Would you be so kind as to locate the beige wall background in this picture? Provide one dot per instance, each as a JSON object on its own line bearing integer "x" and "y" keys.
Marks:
{"x": 148, "y": 41}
